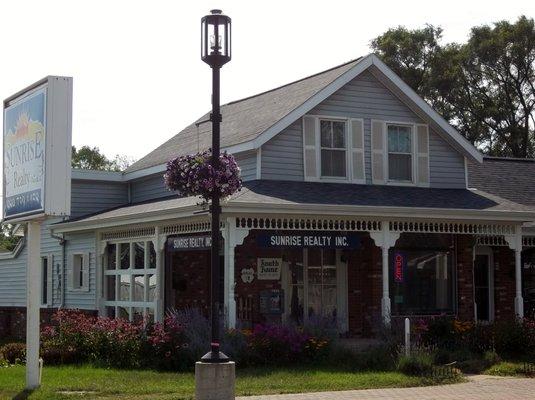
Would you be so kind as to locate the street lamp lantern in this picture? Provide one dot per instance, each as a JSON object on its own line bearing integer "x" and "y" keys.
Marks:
{"x": 215, "y": 39}
{"x": 215, "y": 51}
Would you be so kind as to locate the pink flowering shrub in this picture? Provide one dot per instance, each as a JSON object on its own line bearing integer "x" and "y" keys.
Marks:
{"x": 193, "y": 175}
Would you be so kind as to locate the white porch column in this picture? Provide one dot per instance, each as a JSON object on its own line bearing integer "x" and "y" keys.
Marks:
{"x": 515, "y": 243}
{"x": 232, "y": 238}
{"x": 159, "y": 246}
{"x": 385, "y": 240}
{"x": 33, "y": 304}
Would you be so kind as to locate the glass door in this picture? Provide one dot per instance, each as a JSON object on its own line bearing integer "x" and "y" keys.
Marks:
{"x": 321, "y": 284}
{"x": 483, "y": 291}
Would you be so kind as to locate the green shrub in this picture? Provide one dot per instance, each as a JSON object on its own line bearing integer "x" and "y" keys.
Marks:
{"x": 418, "y": 363}
{"x": 13, "y": 353}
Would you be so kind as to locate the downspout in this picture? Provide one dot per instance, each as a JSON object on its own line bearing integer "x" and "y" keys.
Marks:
{"x": 62, "y": 242}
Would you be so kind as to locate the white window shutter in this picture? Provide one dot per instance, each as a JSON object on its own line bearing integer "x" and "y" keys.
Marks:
{"x": 357, "y": 150}
{"x": 70, "y": 269}
{"x": 85, "y": 272}
{"x": 422, "y": 155}
{"x": 310, "y": 144}
{"x": 378, "y": 152}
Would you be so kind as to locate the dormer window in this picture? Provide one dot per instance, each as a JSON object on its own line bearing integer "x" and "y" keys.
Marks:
{"x": 333, "y": 149}
{"x": 400, "y": 153}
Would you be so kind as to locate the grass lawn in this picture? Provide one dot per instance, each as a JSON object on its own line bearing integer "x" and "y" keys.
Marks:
{"x": 69, "y": 382}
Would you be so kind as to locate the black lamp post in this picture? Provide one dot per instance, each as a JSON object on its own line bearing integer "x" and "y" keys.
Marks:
{"x": 215, "y": 51}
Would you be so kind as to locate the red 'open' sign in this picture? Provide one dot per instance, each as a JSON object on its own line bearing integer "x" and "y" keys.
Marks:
{"x": 399, "y": 264}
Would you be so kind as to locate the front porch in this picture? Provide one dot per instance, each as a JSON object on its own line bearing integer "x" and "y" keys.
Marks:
{"x": 359, "y": 288}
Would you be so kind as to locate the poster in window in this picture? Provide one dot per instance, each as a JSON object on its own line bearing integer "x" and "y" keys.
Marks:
{"x": 399, "y": 267}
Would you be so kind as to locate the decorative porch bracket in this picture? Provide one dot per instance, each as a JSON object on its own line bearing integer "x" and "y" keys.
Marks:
{"x": 385, "y": 239}
{"x": 233, "y": 237}
{"x": 515, "y": 243}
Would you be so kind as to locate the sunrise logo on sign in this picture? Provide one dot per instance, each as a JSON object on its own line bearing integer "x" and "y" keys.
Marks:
{"x": 24, "y": 155}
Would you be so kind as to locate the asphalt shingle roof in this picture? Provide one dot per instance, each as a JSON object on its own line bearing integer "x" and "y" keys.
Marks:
{"x": 265, "y": 192}
{"x": 245, "y": 119}
{"x": 509, "y": 178}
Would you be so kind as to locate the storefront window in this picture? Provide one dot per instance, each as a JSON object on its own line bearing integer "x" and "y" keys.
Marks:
{"x": 421, "y": 281}
{"x": 322, "y": 283}
{"x": 130, "y": 280}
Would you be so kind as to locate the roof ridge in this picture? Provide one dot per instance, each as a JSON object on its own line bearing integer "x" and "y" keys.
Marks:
{"x": 293, "y": 82}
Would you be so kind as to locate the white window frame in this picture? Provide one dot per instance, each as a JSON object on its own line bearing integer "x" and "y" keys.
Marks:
{"x": 320, "y": 148}
{"x": 50, "y": 267}
{"x": 387, "y": 153}
{"x": 131, "y": 272}
{"x": 74, "y": 276}
{"x": 341, "y": 290}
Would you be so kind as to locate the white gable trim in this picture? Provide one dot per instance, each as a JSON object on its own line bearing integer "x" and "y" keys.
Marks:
{"x": 471, "y": 151}
{"x": 464, "y": 145}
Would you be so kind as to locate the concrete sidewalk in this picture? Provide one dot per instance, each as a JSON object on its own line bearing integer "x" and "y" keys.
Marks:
{"x": 479, "y": 387}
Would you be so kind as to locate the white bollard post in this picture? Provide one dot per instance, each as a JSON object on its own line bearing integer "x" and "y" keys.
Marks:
{"x": 407, "y": 337}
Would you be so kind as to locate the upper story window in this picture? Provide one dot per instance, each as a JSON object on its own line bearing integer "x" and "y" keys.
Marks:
{"x": 400, "y": 153}
{"x": 333, "y": 149}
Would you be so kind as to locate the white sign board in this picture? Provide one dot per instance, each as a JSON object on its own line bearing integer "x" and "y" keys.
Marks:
{"x": 269, "y": 268}
{"x": 37, "y": 150}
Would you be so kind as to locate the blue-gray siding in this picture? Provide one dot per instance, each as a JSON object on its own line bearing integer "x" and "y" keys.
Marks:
{"x": 89, "y": 197}
{"x": 148, "y": 188}
{"x": 247, "y": 163}
{"x": 364, "y": 97}
{"x": 13, "y": 271}
{"x": 282, "y": 156}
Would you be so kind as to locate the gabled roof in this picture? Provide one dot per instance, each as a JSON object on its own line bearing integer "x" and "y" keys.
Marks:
{"x": 251, "y": 122}
{"x": 510, "y": 178}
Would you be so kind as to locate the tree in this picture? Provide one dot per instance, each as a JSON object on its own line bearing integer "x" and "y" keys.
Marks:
{"x": 8, "y": 240}
{"x": 484, "y": 87}
{"x": 91, "y": 158}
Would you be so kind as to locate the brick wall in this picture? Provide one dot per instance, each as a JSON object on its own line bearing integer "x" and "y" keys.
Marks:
{"x": 504, "y": 283}
{"x": 465, "y": 277}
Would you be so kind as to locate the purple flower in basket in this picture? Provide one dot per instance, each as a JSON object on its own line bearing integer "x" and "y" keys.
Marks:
{"x": 195, "y": 176}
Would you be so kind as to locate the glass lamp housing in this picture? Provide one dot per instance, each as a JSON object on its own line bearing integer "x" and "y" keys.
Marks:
{"x": 216, "y": 39}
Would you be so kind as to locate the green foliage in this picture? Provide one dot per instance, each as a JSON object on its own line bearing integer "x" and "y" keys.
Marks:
{"x": 91, "y": 158}
{"x": 13, "y": 353}
{"x": 484, "y": 87}
{"x": 418, "y": 363}
{"x": 8, "y": 241}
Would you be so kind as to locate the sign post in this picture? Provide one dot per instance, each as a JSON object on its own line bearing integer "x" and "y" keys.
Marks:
{"x": 36, "y": 182}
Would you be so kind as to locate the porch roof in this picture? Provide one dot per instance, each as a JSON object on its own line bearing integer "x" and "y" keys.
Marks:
{"x": 315, "y": 198}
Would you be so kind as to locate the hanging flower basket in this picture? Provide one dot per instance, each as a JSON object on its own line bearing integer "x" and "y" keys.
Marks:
{"x": 193, "y": 175}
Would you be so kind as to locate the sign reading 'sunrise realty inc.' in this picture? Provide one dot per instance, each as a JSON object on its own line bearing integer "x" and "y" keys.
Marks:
{"x": 24, "y": 155}
{"x": 325, "y": 240}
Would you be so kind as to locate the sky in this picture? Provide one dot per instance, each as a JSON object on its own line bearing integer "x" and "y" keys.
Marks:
{"x": 138, "y": 76}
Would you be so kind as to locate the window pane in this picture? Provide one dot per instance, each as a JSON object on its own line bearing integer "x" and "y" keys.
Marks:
{"x": 125, "y": 255}
{"x": 314, "y": 275}
{"x": 400, "y": 167}
{"x": 139, "y": 288}
{"x": 124, "y": 290}
{"x": 297, "y": 303}
{"x": 339, "y": 135}
{"x": 152, "y": 255}
{"x": 325, "y": 129}
{"x": 110, "y": 287}
{"x": 329, "y": 276}
{"x": 137, "y": 314}
{"x": 152, "y": 288}
{"x": 333, "y": 163}
{"x": 112, "y": 260}
{"x": 425, "y": 283}
{"x": 139, "y": 255}
{"x": 392, "y": 138}
{"x": 405, "y": 139}
{"x": 329, "y": 257}
{"x": 123, "y": 312}
{"x": 150, "y": 315}
{"x": 296, "y": 273}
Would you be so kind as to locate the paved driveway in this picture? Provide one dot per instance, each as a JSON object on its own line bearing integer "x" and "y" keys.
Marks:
{"x": 479, "y": 388}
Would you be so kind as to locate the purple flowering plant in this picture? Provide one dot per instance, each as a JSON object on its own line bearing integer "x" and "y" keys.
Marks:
{"x": 193, "y": 175}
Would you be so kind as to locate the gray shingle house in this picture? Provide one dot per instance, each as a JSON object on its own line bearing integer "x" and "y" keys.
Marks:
{"x": 360, "y": 204}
